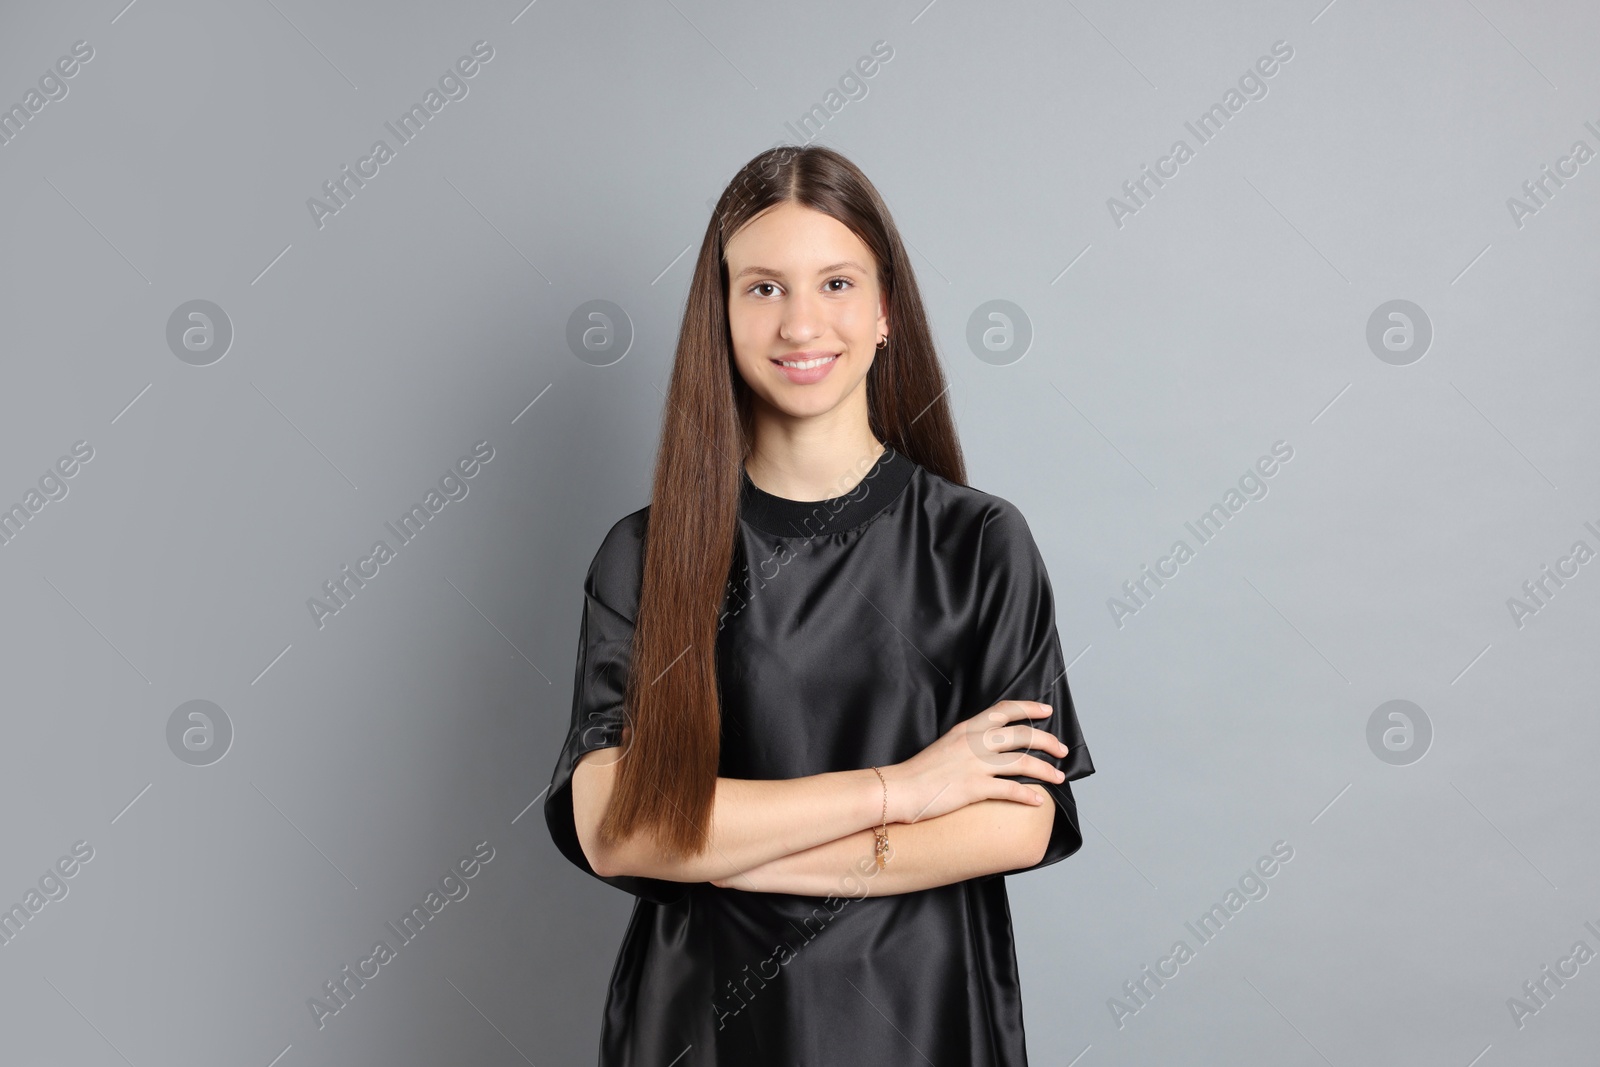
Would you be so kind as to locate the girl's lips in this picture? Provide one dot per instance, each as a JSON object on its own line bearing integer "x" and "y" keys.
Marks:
{"x": 808, "y": 375}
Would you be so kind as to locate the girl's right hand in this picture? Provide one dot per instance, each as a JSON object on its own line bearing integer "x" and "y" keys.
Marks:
{"x": 970, "y": 761}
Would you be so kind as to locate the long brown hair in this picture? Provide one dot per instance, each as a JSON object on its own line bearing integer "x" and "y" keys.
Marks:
{"x": 667, "y": 783}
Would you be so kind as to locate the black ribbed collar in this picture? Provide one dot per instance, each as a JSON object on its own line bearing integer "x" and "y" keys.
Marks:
{"x": 811, "y": 518}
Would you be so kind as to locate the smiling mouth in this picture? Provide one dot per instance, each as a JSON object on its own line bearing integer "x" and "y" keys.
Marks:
{"x": 806, "y": 364}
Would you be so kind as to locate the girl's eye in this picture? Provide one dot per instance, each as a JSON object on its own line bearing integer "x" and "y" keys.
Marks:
{"x": 769, "y": 285}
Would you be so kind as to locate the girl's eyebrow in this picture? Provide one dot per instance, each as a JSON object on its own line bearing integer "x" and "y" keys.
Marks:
{"x": 779, "y": 274}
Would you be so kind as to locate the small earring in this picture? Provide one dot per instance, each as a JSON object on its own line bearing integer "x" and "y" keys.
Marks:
{"x": 883, "y": 342}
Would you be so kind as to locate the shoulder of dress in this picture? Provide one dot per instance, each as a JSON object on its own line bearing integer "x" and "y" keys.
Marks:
{"x": 614, "y": 573}
{"x": 626, "y": 535}
{"x": 990, "y": 530}
{"x": 631, "y": 525}
{"x": 969, "y": 507}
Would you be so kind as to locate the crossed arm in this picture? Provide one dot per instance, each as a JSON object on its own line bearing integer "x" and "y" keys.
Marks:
{"x": 986, "y": 837}
{"x": 811, "y": 835}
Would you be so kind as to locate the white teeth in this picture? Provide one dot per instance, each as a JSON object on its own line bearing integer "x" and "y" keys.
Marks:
{"x": 807, "y": 364}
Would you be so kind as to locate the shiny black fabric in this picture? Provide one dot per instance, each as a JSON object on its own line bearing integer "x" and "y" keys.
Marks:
{"x": 855, "y": 632}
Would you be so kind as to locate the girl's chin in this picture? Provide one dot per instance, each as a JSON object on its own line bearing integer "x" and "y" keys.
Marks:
{"x": 805, "y": 402}
{"x": 799, "y": 411}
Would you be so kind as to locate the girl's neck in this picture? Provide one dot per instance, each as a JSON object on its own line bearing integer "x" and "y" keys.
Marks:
{"x": 813, "y": 468}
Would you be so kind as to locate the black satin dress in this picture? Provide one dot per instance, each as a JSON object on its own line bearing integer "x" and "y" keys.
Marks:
{"x": 855, "y": 632}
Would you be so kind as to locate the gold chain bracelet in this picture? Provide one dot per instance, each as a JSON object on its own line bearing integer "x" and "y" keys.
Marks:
{"x": 880, "y": 846}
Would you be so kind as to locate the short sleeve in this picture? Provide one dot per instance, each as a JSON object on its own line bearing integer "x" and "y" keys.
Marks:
{"x": 1019, "y": 658}
{"x": 605, "y": 653}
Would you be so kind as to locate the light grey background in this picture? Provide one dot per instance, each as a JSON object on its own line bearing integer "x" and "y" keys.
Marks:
{"x": 1168, "y": 354}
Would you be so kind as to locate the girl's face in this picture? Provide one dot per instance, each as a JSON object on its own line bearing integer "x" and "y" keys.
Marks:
{"x": 802, "y": 286}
